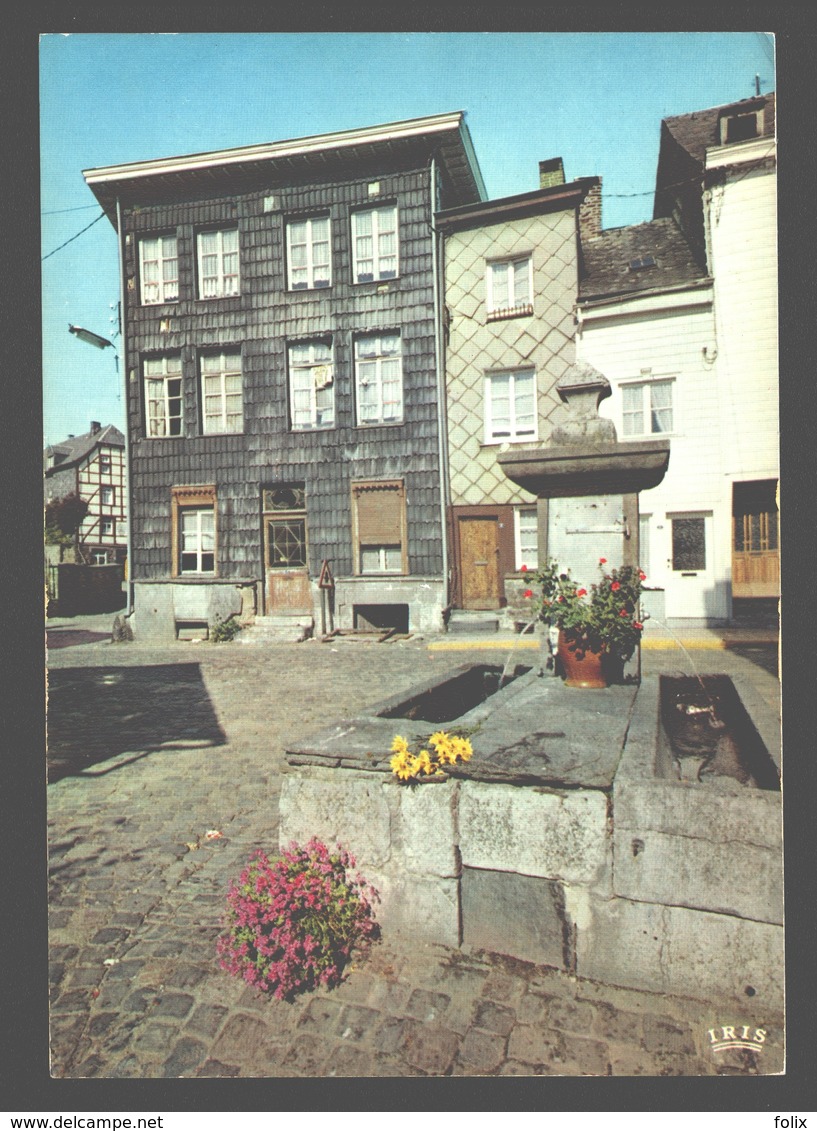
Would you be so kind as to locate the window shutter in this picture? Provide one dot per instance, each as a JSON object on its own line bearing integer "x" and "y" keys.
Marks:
{"x": 379, "y": 514}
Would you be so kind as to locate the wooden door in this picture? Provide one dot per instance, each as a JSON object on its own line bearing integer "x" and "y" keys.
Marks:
{"x": 288, "y": 588}
{"x": 479, "y": 558}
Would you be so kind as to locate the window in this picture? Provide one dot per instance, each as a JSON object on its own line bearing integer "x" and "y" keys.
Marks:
{"x": 379, "y": 379}
{"x": 99, "y": 557}
{"x": 311, "y": 387}
{"x": 379, "y": 527}
{"x": 163, "y": 396}
{"x": 105, "y": 465}
{"x": 193, "y": 514}
{"x": 646, "y": 408}
{"x": 106, "y": 527}
{"x": 644, "y": 521}
{"x": 374, "y": 244}
{"x": 159, "y": 270}
{"x": 106, "y": 496}
{"x": 527, "y": 537}
{"x": 221, "y": 394}
{"x": 739, "y": 127}
{"x": 218, "y": 263}
{"x": 755, "y": 517}
{"x": 509, "y": 287}
{"x": 510, "y": 406}
{"x": 309, "y": 253}
{"x": 689, "y": 543}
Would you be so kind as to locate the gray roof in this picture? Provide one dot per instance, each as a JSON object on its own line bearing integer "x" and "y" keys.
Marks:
{"x": 76, "y": 448}
{"x": 607, "y": 260}
{"x": 699, "y": 131}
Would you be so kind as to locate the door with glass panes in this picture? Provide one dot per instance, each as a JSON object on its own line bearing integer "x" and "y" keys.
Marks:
{"x": 690, "y": 575}
{"x": 285, "y": 549}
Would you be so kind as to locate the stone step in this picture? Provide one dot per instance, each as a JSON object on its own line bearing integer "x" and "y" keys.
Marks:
{"x": 291, "y": 628}
{"x": 469, "y": 620}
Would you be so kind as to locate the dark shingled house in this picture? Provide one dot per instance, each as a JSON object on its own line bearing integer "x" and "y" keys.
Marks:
{"x": 283, "y": 338}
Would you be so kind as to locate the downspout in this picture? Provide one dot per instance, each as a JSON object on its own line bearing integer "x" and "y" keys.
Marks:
{"x": 442, "y": 433}
{"x": 123, "y": 335}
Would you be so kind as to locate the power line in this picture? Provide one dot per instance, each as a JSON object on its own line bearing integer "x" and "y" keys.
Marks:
{"x": 62, "y": 245}
{"x": 59, "y": 211}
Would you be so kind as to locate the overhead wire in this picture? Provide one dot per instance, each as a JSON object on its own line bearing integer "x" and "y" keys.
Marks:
{"x": 74, "y": 237}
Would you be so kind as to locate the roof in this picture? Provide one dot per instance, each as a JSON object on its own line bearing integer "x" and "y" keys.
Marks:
{"x": 612, "y": 260}
{"x": 76, "y": 448}
{"x": 445, "y": 135}
{"x": 700, "y": 130}
{"x": 550, "y": 199}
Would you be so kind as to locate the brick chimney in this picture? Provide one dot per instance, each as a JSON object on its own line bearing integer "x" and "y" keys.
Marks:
{"x": 95, "y": 427}
{"x": 590, "y": 208}
{"x": 551, "y": 173}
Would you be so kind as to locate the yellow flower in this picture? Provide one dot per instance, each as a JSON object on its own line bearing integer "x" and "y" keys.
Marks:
{"x": 462, "y": 748}
{"x": 399, "y": 745}
{"x": 400, "y": 766}
{"x": 424, "y": 763}
{"x": 439, "y": 738}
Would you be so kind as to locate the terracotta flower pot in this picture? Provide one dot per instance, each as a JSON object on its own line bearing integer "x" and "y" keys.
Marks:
{"x": 581, "y": 666}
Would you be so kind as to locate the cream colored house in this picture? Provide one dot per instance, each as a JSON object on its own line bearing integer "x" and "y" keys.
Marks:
{"x": 510, "y": 285}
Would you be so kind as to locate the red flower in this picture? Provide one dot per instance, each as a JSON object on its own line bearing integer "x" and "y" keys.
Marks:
{"x": 523, "y": 569}
{"x": 623, "y": 613}
{"x": 615, "y": 586}
{"x": 581, "y": 592}
{"x": 528, "y": 593}
{"x": 602, "y": 561}
{"x": 637, "y": 624}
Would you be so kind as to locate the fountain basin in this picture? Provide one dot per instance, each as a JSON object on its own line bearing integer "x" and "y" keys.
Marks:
{"x": 578, "y": 470}
{"x": 561, "y": 841}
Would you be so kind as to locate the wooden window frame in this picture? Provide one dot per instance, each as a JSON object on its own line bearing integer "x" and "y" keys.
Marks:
{"x": 163, "y": 377}
{"x": 376, "y": 235}
{"x": 357, "y": 489}
{"x": 514, "y": 308}
{"x": 521, "y": 558}
{"x": 312, "y": 388}
{"x": 514, "y": 436}
{"x": 220, "y": 276}
{"x": 309, "y": 242}
{"x": 161, "y": 258}
{"x": 225, "y": 370}
{"x": 196, "y": 497}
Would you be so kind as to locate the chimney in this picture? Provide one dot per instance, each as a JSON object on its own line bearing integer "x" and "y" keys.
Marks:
{"x": 590, "y": 208}
{"x": 95, "y": 427}
{"x": 551, "y": 173}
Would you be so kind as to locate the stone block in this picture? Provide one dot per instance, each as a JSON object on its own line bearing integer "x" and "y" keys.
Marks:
{"x": 512, "y": 914}
{"x": 346, "y": 808}
{"x": 534, "y": 831}
{"x": 675, "y": 950}
{"x": 733, "y": 878}
{"x": 425, "y": 833}
{"x": 418, "y": 908}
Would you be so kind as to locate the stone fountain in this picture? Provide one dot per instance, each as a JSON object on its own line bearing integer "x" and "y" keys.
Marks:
{"x": 571, "y": 838}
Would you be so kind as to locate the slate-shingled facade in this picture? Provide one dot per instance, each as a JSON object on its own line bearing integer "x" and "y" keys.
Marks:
{"x": 238, "y": 500}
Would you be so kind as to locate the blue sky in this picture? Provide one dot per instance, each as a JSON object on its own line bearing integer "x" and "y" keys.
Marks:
{"x": 596, "y": 99}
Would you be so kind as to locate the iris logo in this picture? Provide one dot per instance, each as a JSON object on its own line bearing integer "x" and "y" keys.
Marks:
{"x": 736, "y": 1037}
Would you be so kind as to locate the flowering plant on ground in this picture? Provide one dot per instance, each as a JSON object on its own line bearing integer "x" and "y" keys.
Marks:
{"x": 412, "y": 766}
{"x": 291, "y": 923}
{"x": 602, "y": 620}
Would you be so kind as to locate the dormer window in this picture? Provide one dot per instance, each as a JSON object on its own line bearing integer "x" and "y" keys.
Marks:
{"x": 642, "y": 262}
{"x": 742, "y": 126}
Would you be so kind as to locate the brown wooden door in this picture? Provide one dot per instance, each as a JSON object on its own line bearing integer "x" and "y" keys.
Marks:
{"x": 479, "y": 557}
{"x": 288, "y": 589}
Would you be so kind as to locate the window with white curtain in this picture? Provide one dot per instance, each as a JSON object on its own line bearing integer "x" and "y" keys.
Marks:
{"x": 646, "y": 408}
{"x": 374, "y": 244}
{"x": 379, "y": 379}
{"x": 163, "y": 396}
{"x": 218, "y": 263}
{"x": 509, "y": 286}
{"x": 527, "y": 537}
{"x": 309, "y": 253}
{"x": 510, "y": 406}
{"x": 222, "y": 397}
{"x": 158, "y": 270}
{"x": 311, "y": 385}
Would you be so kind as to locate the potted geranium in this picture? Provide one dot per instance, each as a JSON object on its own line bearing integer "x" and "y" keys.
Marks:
{"x": 599, "y": 630}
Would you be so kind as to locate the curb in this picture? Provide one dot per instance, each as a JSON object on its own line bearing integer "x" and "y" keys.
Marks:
{"x": 649, "y": 643}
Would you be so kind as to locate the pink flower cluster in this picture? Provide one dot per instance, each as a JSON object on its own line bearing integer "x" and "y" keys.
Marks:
{"x": 291, "y": 923}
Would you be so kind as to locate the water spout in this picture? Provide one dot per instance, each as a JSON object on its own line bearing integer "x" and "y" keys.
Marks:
{"x": 506, "y": 667}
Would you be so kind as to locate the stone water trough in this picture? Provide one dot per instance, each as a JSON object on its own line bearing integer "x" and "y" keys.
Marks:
{"x": 572, "y": 838}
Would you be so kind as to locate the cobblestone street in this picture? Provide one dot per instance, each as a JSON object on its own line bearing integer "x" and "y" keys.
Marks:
{"x": 151, "y": 747}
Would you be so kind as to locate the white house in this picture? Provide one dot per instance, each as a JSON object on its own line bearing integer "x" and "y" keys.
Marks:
{"x": 680, "y": 314}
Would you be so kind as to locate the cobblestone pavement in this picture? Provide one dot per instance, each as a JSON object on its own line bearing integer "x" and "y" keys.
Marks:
{"x": 151, "y": 747}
